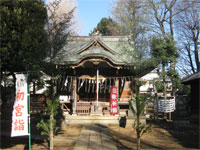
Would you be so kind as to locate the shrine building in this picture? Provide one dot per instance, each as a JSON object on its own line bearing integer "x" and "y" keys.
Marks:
{"x": 90, "y": 66}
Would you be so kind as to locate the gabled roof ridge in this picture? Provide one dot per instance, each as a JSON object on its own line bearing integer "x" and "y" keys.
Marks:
{"x": 106, "y": 46}
{"x": 92, "y": 41}
{"x": 85, "y": 46}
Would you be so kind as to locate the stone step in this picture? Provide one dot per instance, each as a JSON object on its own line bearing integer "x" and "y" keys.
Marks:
{"x": 92, "y": 117}
{"x": 104, "y": 120}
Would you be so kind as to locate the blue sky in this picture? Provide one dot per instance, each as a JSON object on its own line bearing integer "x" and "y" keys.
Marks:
{"x": 90, "y": 13}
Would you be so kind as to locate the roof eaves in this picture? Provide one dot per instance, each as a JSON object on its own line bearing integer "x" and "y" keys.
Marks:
{"x": 191, "y": 77}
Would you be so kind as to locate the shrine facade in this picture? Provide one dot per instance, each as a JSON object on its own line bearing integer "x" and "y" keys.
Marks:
{"x": 90, "y": 66}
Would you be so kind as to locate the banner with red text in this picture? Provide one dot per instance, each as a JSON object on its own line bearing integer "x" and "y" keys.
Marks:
{"x": 113, "y": 100}
{"x": 20, "y": 108}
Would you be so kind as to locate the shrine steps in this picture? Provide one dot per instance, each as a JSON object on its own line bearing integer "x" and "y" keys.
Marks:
{"x": 104, "y": 120}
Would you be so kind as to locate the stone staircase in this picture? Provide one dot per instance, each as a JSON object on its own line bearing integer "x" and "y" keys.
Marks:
{"x": 125, "y": 121}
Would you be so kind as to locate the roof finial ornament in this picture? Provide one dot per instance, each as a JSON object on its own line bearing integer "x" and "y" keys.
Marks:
{"x": 96, "y": 33}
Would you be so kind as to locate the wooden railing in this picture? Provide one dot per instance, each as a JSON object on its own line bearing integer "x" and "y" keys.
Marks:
{"x": 64, "y": 107}
{"x": 83, "y": 108}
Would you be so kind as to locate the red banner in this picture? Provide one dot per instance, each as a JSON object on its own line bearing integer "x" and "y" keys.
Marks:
{"x": 113, "y": 100}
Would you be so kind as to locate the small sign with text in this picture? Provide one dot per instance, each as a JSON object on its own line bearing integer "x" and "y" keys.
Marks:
{"x": 113, "y": 100}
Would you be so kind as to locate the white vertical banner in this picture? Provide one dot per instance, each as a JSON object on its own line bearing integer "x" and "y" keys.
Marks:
{"x": 20, "y": 108}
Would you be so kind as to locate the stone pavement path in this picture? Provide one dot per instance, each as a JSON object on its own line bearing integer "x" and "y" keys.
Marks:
{"x": 95, "y": 137}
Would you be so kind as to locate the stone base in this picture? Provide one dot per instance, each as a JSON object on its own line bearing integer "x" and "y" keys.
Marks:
{"x": 104, "y": 120}
{"x": 97, "y": 112}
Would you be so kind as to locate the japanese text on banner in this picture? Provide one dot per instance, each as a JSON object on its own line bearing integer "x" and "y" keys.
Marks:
{"x": 20, "y": 108}
{"x": 113, "y": 101}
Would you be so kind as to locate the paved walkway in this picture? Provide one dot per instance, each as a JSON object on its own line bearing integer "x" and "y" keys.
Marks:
{"x": 95, "y": 137}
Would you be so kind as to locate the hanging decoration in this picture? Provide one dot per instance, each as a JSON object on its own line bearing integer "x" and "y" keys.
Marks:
{"x": 93, "y": 86}
{"x": 82, "y": 81}
{"x": 86, "y": 81}
{"x": 66, "y": 81}
{"x": 101, "y": 85}
{"x": 90, "y": 83}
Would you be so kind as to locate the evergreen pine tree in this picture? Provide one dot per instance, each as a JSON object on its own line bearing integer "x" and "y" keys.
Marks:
{"x": 137, "y": 105}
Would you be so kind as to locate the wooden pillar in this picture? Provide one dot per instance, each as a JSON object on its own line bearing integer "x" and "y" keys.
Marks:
{"x": 97, "y": 89}
{"x": 74, "y": 97}
{"x": 117, "y": 85}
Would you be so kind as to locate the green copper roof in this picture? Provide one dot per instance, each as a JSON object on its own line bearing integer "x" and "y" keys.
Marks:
{"x": 116, "y": 49}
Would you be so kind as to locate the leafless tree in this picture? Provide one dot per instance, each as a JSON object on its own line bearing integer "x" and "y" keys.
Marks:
{"x": 188, "y": 28}
{"x": 163, "y": 12}
{"x": 58, "y": 25}
{"x": 58, "y": 29}
{"x": 132, "y": 16}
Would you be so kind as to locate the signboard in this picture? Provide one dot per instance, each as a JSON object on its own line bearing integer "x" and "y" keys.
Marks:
{"x": 64, "y": 98}
{"x": 20, "y": 108}
{"x": 113, "y": 100}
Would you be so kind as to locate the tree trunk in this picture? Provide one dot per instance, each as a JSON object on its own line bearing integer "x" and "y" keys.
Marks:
{"x": 187, "y": 47}
{"x": 164, "y": 85}
{"x": 196, "y": 52}
{"x": 164, "y": 81}
{"x": 138, "y": 133}
{"x": 51, "y": 130}
{"x": 138, "y": 143}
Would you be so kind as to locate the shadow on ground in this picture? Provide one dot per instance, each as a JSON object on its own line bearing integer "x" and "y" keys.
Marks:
{"x": 7, "y": 141}
{"x": 165, "y": 136}
{"x": 188, "y": 137}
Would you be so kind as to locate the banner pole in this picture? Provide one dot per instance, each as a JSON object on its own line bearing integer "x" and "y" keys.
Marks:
{"x": 29, "y": 115}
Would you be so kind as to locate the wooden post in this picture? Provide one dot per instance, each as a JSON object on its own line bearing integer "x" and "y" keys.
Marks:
{"x": 74, "y": 97}
{"x": 170, "y": 116}
{"x": 97, "y": 89}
